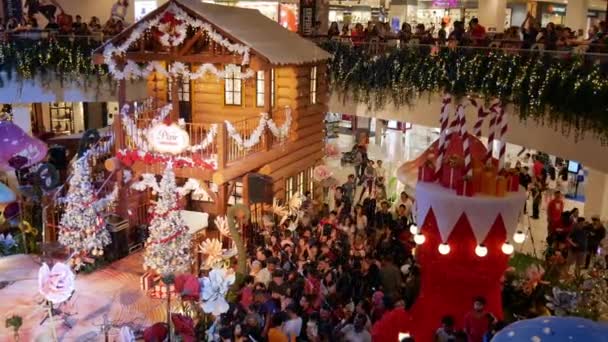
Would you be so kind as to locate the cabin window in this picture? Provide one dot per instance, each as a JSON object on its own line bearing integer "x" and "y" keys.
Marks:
{"x": 233, "y": 86}
{"x": 299, "y": 183}
{"x": 272, "y": 82}
{"x": 313, "y": 85}
{"x": 259, "y": 88}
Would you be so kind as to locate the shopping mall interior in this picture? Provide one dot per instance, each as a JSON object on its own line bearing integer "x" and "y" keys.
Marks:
{"x": 304, "y": 170}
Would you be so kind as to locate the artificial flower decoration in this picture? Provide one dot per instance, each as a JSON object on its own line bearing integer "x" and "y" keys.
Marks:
{"x": 187, "y": 286}
{"x": 184, "y": 327}
{"x": 562, "y": 302}
{"x": 279, "y": 210}
{"x": 321, "y": 173}
{"x": 212, "y": 250}
{"x": 332, "y": 150}
{"x": 156, "y": 332}
{"x": 18, "y": 148}
{"x": 56, "y": 284}
{"x": 126, "y": 335}
{"x": 221, "y": 223}
{"x": 214, "y": 290}
{"x": 535, "y": 274}
{"x": 7, "y": 242}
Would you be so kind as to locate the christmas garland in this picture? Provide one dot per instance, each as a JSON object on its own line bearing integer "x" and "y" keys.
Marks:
{"x": 570, "y": 91}
{"x": 279, "y": 132}
{"x": 61, "y": 59}
{"x": 171, "y": 26}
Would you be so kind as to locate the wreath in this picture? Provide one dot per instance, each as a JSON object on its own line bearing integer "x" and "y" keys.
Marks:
{"x": 171, "y": 31}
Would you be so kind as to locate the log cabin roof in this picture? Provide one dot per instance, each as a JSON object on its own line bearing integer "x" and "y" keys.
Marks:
{"x": 267, "y": 38}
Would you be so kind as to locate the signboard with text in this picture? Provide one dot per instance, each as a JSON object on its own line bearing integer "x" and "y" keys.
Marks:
{"x": 307, "y": 17}
{"x": 168, "y": 139}
{"x": 12, "y": 9}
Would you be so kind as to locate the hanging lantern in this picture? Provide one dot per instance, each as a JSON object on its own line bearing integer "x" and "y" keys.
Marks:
{"x": 507, "y": 248}
{"x": 481, "y": 250}
{"x": 419, "y": 239}
{"x": 444, "y": 249}
{"x": 519, "y": 237}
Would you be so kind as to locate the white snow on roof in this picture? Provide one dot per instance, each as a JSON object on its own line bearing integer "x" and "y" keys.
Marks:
{"x": 265, "y": 36}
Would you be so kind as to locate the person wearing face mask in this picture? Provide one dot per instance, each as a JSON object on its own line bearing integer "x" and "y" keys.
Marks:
{"x": 476, "y": 321}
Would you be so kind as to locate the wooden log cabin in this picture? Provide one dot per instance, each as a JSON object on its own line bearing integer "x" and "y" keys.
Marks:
{"x": 220, "y": 67}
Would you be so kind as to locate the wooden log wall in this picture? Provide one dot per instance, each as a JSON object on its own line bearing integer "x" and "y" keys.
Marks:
{"x": 292, "y": 88}
{"x": 157, "y": 87}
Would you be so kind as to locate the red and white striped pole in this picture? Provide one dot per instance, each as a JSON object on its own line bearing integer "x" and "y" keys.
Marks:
{"x": 443, "y": 122}
{"x": 481, "y": 116}
{"x": 503, "y": 143}
{"x": 466, "y": 143}
{"x": 492, "y": 130}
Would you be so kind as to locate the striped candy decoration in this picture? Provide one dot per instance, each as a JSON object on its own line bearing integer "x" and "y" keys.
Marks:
{"x": 492, "y": 130}
{"x": 481, "y": 116}
{"x": 443, "y": 121}
{"x": 503, "y": 143}
{"x": 466, "y": 143}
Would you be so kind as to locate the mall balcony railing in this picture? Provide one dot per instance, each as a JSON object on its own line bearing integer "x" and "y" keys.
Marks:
{"x": 379, "y": 46}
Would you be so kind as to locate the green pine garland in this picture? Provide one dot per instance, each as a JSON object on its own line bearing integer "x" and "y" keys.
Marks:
{"x": 68, "y": 60}
{"x": 569, "y": 92}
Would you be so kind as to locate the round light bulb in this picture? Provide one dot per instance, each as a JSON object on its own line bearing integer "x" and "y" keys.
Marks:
{"x": 419, "y": 239}
{"x": 507, "y": 248}
{"x": 519, "y": 237}
{"x": 481, "y": 250}
{"x": 444, "y": 249}
{"x": 414, "y": 229}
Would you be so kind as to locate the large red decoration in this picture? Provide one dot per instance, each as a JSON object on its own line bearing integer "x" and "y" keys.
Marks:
{"x": 450, "y": 282}
{"x": 458, "y": 211}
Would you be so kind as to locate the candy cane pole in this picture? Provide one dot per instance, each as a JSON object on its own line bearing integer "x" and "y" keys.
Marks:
{"x": 503, "y": 143}
{"x": 468, "y": 170}
{"x": 443, "y": 121}
{"x": 481, "y": 116}
{"x": 492, "y": 130}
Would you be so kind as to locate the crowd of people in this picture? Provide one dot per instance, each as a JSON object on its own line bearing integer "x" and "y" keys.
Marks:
{"x": 344, "y": 272}
{"x": 529, "y": 35}
{"x": 347, "y": 272}
{"x": 579, "y": 241}
{"x": 51, "y": 17}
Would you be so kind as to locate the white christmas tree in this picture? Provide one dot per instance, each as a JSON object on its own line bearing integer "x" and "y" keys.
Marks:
{"x": 168, "y": 246}
{"x": 82, "y": 228}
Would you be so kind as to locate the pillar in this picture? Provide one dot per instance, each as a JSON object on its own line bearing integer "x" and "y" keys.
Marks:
{"x": 322, "y": 15}
{"x": 492, "y": 15}
{"x": 22, "y": 116}
{"x": 576, "y": 15}
{"x": 596, "y": 194}
{"x": 403, "y": 10}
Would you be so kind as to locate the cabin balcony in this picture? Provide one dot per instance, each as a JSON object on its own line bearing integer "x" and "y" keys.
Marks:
{"x": 217, "y": 151}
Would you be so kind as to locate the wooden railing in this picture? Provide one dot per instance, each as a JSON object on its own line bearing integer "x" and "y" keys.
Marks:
{"x": 246, "y": 128}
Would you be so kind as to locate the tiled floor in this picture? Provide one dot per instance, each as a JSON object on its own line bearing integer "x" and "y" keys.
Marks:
{"x": 395, "y": 148}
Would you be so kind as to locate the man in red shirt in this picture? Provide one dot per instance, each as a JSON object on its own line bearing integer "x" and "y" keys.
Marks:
{"x": 554, "y": 213}
{"x": 476, "y": 323}
{"x": 476, "y": 31}
{"x": 538, "y": 168}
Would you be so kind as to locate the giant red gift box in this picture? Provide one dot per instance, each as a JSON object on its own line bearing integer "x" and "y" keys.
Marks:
{"x": 426, "y": 173}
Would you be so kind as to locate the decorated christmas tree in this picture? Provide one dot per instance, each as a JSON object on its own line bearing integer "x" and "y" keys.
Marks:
{"x": 82, "y": 228}
{"x": 168, "y": 246}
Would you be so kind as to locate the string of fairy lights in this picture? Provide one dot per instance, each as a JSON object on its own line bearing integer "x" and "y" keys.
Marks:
{"x": 569, "y": 92}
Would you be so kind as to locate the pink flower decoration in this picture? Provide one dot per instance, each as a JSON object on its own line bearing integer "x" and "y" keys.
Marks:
{"x": 17, "y": 145}
{"x": 321, "y": 173}
{"x": 57, "y": 284}
{"x": 332, "y": 150}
